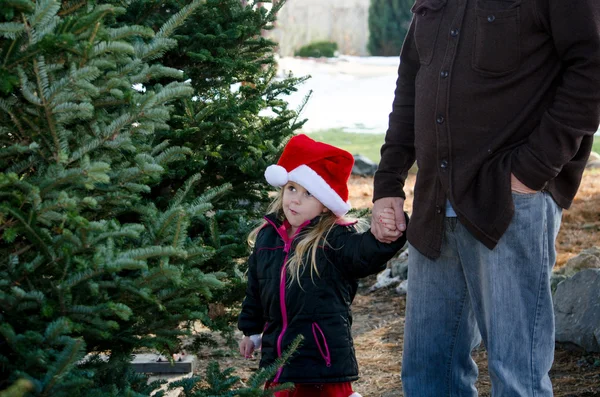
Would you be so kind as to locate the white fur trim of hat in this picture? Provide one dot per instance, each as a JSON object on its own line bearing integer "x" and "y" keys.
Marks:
{"x": 305, "y": 176}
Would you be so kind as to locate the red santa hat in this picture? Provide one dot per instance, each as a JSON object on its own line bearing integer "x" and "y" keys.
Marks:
{"x": 320, "y": 168}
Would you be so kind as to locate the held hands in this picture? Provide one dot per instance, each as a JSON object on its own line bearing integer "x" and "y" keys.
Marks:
{"x": 246, "y": 347}
{"x": 388, "y": 222}
{"x": 387, "y": 219}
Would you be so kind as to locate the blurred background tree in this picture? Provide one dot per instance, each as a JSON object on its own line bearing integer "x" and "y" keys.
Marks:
{"x": 388, "y": 24}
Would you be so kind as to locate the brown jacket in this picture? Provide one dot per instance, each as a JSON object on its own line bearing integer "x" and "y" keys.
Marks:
{"x": 486, "y": 88}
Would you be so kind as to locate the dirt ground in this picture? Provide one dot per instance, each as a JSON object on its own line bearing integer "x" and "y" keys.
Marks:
{"x": 379, "y": 316}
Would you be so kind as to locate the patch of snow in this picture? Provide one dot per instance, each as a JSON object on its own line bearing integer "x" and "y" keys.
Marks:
{"x": 348, "y": 92}
{"x": 384, "y": 279}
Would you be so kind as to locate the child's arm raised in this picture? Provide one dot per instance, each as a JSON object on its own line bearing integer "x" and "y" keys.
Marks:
{"x": 361, "y": 254}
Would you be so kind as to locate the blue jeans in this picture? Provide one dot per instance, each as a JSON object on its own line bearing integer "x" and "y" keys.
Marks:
{"x": 472, "y": 293}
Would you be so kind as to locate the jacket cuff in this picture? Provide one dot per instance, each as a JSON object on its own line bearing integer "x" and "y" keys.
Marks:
{"x": 528, "y": 168}
{"x": 257, "y": 340}
{"x": 387, "y": 184}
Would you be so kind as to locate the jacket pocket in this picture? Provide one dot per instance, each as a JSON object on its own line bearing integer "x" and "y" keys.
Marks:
{"x": 321, "y": 342}
{"x": 427, "y": 18}
{"x": 496, "y": 48}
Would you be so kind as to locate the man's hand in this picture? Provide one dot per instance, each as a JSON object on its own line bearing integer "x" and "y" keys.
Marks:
{"x": 519, "y": 187}
{"x": 378, "y": 228}
{"x": 246, "y": 347}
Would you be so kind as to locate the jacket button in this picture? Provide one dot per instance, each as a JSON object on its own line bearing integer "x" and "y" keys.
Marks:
{"x": 444, "y": 164}
{"x": 438, "y": 209}
{"x": 444, "y": 74}
{"x": 424, "y": 12}
{"x": 454, "y": 32}
{"x": 440, "y": 120}
{"x": 491, "y": 18}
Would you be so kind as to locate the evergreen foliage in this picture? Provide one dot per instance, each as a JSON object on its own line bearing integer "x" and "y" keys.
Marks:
{"x": 109, "y": 241}
{"x": 388, "y": 24}
{"x": 318, "y": 49}
{"x": 223, "y": 383}
{"x": 235, "y": 126}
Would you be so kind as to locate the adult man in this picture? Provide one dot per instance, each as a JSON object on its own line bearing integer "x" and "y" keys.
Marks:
{"x": 498, "y": 101}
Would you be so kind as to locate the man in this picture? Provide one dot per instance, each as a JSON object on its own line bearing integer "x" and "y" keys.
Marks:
{"x": 497, "y": 101}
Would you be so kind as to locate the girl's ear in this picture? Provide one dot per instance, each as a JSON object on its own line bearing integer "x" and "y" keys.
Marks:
{"x": 325, "y": 209}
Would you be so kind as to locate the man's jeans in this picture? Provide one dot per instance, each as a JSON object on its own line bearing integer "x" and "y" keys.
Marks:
{"x": 471, "y": 293}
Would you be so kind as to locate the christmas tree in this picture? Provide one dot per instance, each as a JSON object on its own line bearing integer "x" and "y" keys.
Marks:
{"x": 108, "y": 238}
{"x": 235, "y": 125}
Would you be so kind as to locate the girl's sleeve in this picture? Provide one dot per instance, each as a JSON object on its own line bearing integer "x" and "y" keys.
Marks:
{"x": 251, "y": 321}
{"x": 360, "y": 254}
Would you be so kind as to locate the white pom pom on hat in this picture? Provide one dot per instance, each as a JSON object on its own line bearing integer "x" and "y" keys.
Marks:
{"x": 320, "y": 168}
{"x": 276, "y": 175}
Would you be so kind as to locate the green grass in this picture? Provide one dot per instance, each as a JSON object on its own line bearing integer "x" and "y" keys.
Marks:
{"x": 356, "y": 143}
{"x": 369, "y": 144}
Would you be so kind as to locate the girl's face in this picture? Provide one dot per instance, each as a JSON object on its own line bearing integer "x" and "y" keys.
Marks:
{"x": 299, "y": 205}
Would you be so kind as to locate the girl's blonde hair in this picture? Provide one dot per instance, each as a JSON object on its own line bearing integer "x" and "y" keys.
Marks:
{"x": 310, "y": 240}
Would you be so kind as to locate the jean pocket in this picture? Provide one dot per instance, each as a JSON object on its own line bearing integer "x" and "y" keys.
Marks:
{"x": 497, "y": 46}
{"x": 321, "y": 342}
{"x": 523, "y": 196}
{"x": 427, "y": 18}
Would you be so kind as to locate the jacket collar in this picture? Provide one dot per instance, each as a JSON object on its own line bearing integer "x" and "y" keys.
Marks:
{"x": 281, "y": 226}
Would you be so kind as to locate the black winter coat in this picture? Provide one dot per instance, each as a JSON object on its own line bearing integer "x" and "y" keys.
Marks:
{"x": 320, "y": 310}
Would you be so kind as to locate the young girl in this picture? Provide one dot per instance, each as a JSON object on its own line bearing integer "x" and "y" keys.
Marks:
{"x": 303, "y": 271}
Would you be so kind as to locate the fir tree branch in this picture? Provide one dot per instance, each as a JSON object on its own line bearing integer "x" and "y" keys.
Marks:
{"x": 74, "y": 351}
{"x": 6, "y": 106}
{"x": 7, "y": 56}
{"x": 47, "y": 112}
{"x": 177, "y": 230}
{"x": 178, "y": 19}
{"x": 32, "y": 233}
{"x": 72, "y": 8}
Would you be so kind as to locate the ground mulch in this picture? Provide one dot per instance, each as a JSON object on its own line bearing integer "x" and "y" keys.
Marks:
{"x": 379, "y": 316}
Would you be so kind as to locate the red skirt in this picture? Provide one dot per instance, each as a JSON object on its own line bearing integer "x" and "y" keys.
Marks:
{"x": 315, "y": 390}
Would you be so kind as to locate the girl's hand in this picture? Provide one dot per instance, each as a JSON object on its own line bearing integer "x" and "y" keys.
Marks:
{"x": 387, "y": 218}
{"x": 246, "y": 347}
{"x": 382, "y": 207}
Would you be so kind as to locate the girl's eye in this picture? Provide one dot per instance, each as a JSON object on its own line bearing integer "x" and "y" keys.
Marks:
{"x": 291, "y": 188}
{"x": 308, "y": 194}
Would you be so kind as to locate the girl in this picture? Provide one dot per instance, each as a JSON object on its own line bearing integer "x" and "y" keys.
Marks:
{"x": 303, "y": 271}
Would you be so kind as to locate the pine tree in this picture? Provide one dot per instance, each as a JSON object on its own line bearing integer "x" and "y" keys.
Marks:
{"x": 88, "y": 263}
{"x": 224, "y": 383}
{"x": 111, "y": 163}
{"x": 235, "y": 125}
{"x": 388, "y": 24}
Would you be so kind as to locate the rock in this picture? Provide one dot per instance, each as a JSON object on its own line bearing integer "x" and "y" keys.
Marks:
{"x": 577, "y": 310}
{"x": 556, "y": 279}
{"x": 402, "y": 288}
{"x": 594, "y": 156}
{"x": 384, "y": 279}
{"x": 593, "y": 160}
{"x": 587, "y": 259}
{"x": 593, "y": 164}
{"x": 363, "y": 166}
{"x": 399, "y": 265}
